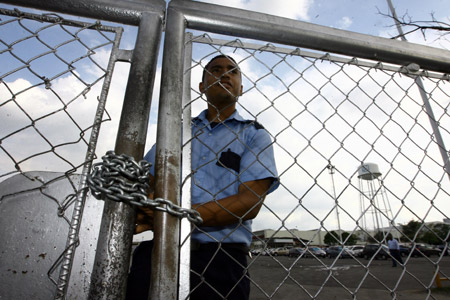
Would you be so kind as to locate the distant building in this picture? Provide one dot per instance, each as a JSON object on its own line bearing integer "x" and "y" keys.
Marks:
{"x": 269, "y": 238}
{"x": 282, "y": 238}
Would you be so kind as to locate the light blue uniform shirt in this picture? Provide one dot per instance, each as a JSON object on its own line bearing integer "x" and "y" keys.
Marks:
{"x": 223, "y": 157}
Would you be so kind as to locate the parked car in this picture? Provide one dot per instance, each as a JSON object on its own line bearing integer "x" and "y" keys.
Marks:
{"x": 404, "y": 250}
{"x": 340, "y": 251}
{"x": 280, "y": 251}
{"x": 271, "y": 251}
{"x": 255, "y": 251}
{"x": 315, "y": 251}
{"x": 357, "y": 250}
{"x": 265, "y": 252}
{"x": 375, "y": 250}
{"x": 445, "y": 248}
{"x": 423, "y": 249}
{"x": 295, "y": 252}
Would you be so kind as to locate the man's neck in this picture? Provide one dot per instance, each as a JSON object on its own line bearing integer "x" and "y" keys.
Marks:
{"x": 214, "y": 115}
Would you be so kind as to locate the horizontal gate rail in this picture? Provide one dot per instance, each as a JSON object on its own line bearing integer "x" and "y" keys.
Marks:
{"x": 125, "y": 12}
{"x": 412, "y": 69}
{"x": 246, "y": 24}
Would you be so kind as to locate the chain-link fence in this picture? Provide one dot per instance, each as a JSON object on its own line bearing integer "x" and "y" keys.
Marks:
{"x": 359, "y": 149}
{"x": 57, "y": 74}
{"x": 51, "y": 78}
{"x": 357, "y": 160}
{"x": 53, "y": 85}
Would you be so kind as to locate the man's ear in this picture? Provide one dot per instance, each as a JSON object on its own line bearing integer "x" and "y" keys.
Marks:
{"x": 200, "y": 87}
{"x": 241, "y": 90}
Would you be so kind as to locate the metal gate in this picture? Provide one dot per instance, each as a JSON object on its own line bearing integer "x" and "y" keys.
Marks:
{"x": 55, "y": 80}
{"x": 333, "y": 103}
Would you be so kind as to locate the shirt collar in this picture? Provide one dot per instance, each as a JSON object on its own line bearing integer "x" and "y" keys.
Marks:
{"x": 202, "y": 117}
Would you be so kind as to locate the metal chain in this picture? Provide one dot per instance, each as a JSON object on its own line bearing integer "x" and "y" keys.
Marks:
{"x": 121, "y": 178}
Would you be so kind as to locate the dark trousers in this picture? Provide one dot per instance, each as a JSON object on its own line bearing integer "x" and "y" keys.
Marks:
{"x": 396, "y": 257}
{"x": 215, "y": 273}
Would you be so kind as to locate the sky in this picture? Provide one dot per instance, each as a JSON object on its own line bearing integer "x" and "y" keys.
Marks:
{"x": 304, "y": 146}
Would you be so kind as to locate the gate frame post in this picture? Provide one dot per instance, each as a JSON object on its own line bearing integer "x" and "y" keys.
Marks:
{"x": 112, "y": 259}
{"x": 165, "y": 257}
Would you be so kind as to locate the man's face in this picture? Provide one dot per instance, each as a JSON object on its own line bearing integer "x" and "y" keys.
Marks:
{"x": 222, "y": 83}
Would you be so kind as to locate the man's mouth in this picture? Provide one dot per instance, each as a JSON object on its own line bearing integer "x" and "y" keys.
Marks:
{"x": 226, "y": 85}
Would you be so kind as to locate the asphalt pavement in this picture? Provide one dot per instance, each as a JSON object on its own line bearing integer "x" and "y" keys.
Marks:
{"x": 283, "y": 277}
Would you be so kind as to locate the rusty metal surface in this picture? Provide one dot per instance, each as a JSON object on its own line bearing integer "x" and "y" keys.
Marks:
{"x": 33, "y": 236}
{"x": 116, "y": 232}
{"x": 185, "y": 239}
{"x": 126, "y": 12}
{"x": 164, "y": 283}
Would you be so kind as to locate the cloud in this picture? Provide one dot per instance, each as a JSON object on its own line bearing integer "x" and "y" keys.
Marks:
{"x": 292, "y": 9}
{"x": 323, "y": 113}
{"x": 53, "y": 120}
{"x": 317, "y": 112}
{"x": 344, "y": 23}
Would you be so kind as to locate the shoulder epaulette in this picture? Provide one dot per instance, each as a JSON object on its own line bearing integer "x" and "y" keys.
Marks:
{"x": 195, "y": 120}
{"x": 256, "y": 124}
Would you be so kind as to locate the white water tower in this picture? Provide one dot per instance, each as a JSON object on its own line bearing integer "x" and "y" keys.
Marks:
{"x": 375, "y": 207}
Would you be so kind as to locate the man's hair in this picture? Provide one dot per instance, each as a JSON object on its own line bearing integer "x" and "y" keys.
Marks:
{"x": 213, "y": 59}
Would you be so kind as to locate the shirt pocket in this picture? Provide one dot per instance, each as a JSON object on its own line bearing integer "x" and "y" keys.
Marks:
{"x": 230, "y": 160}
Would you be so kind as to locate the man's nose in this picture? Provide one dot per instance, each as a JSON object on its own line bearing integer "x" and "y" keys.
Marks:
{"x": 225, "y": 74}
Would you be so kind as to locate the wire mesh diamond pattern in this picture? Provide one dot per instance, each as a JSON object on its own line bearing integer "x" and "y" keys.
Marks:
{"x": 45, "y": 87}
{"x": 51, "y": 105}
{"x": 356, "y": 155}
{"x": 330, "y": 118}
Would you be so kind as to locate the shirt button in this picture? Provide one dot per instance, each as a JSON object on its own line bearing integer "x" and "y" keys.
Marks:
{"x": 210, "y": 134}
{"x": 203, "y": 157}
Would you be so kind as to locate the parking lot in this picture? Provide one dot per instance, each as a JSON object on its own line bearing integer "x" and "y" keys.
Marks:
{"x": 285, "y": 277}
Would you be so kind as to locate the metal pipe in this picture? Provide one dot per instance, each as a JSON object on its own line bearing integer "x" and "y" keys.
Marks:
{"x": 124, "y": 11}
{"x": 246, "y": 24}
{"x": 375, "y": 205}
{"x": 73, "y": 236}
{"x": 434, "y": 125}
{"x": 331, "y": 169}
{"x": 426, "y": 101}
{"x": 185, "y": 230}
{"x": 204, "y": 39}
{"x": 108, "y": 280}
{"x": 164, "y": 283}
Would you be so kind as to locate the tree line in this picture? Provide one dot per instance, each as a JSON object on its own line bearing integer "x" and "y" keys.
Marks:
{"x": 433, "y": 234}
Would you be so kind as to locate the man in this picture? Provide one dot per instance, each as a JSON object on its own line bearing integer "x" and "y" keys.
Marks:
{"x": 233, "y": 170}
{"x": 394, "y": 250}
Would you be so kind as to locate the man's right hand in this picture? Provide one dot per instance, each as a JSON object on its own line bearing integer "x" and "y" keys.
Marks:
{"x": 144, "y": 220}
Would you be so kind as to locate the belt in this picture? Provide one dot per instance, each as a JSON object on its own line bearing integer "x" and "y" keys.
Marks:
{"x": 196, "y": 246}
